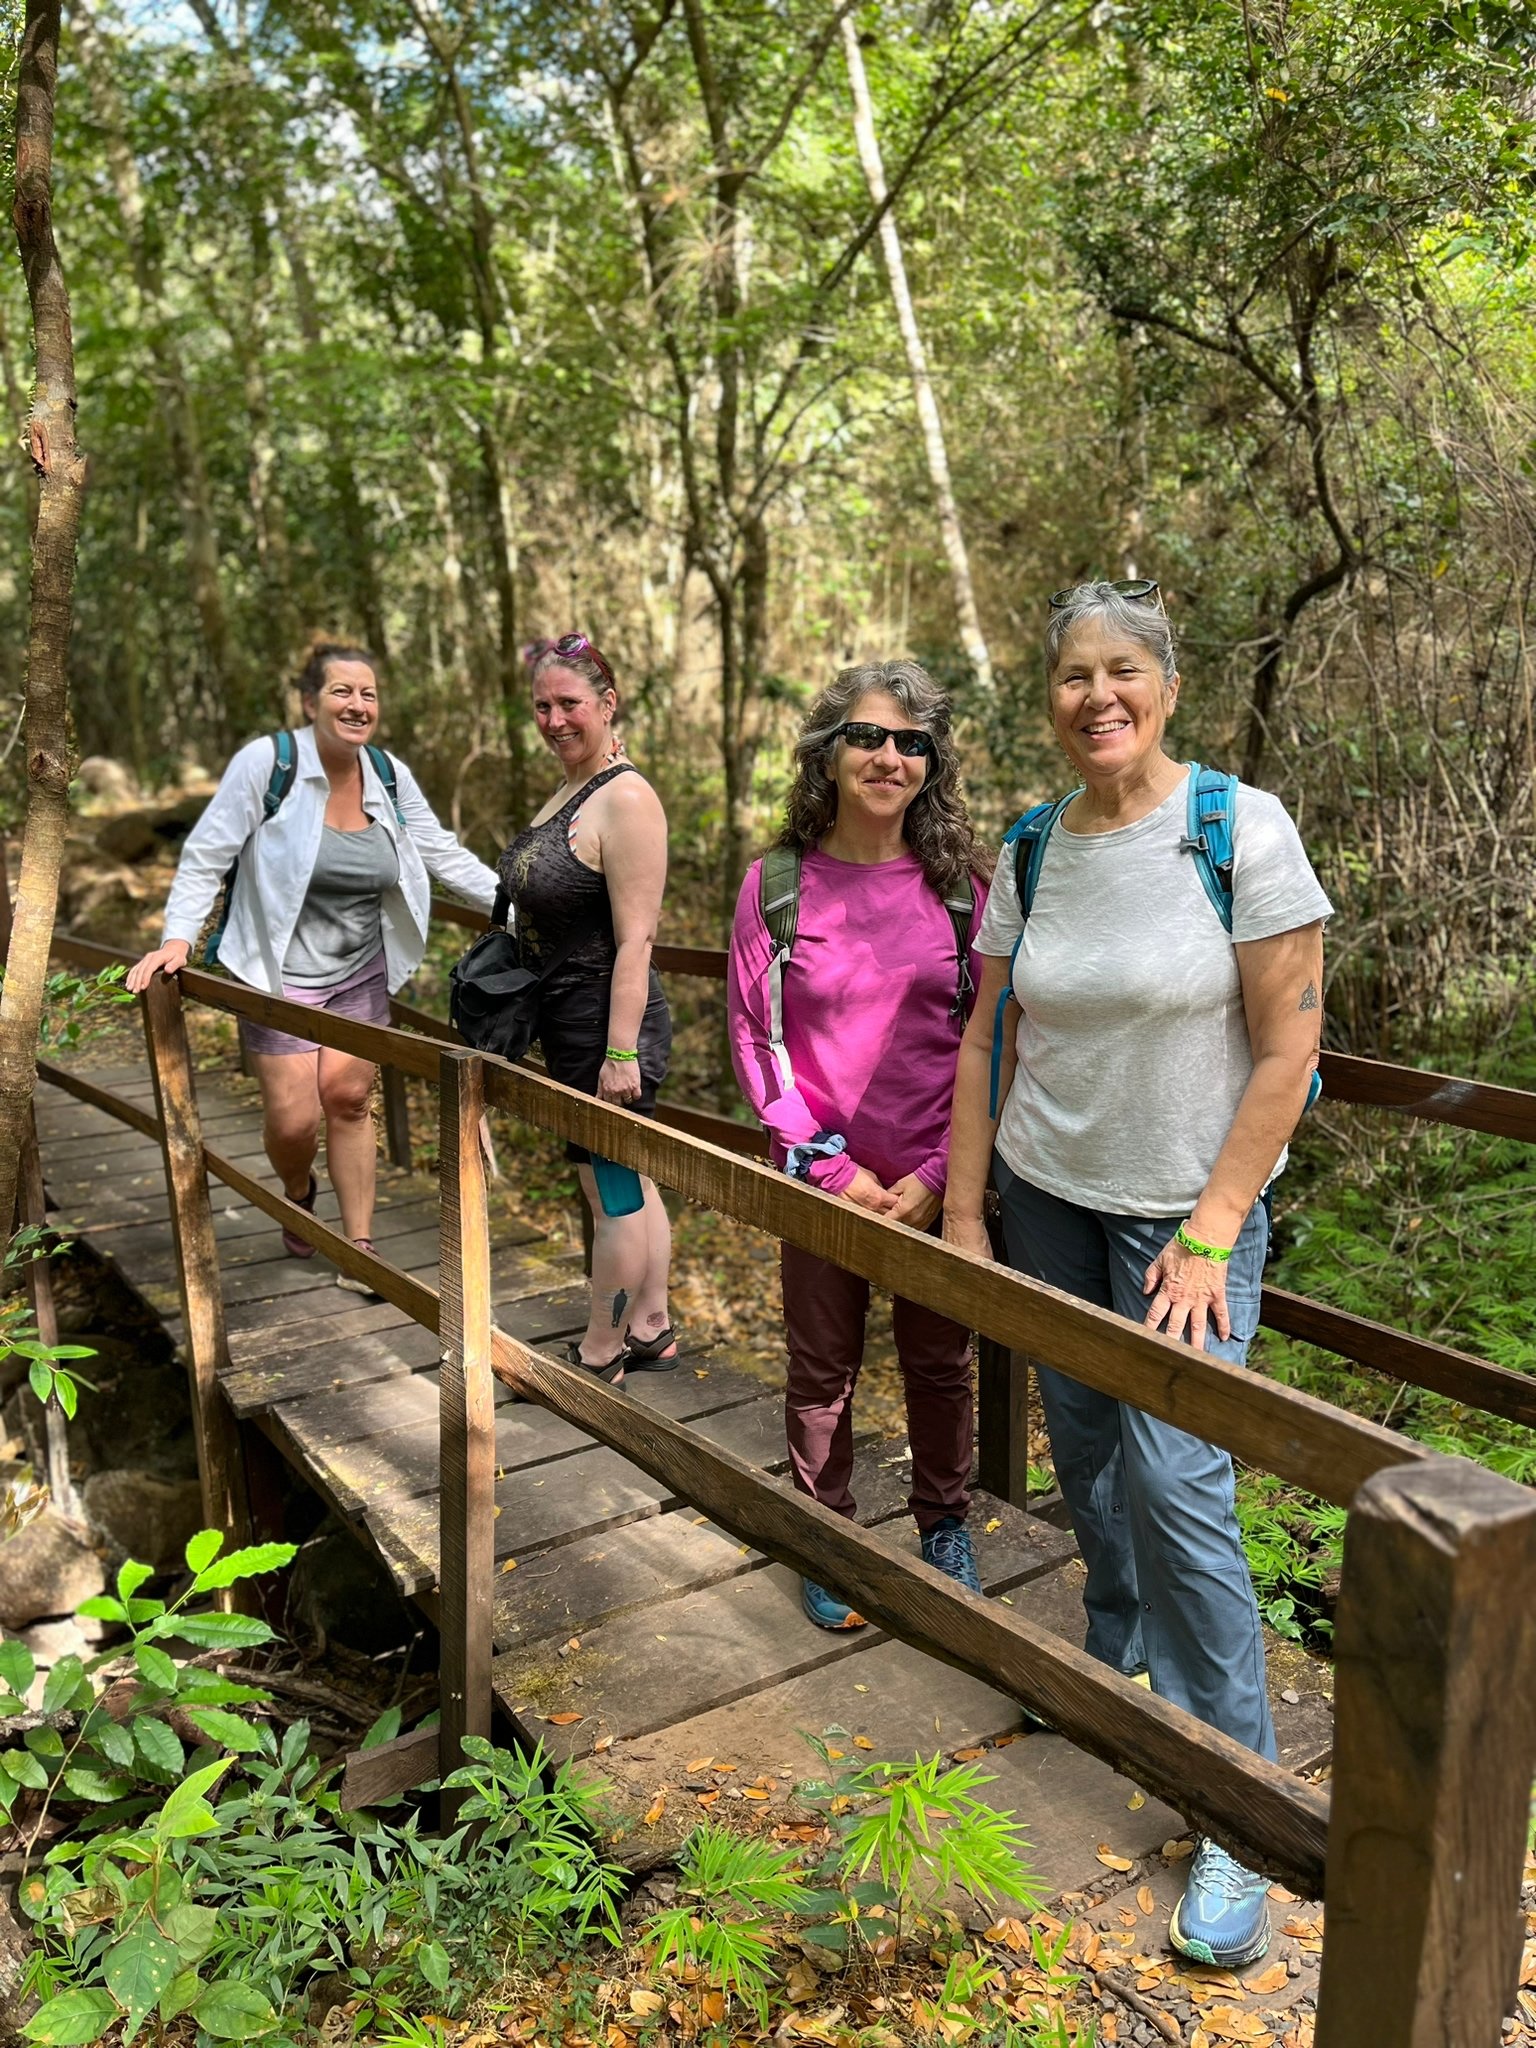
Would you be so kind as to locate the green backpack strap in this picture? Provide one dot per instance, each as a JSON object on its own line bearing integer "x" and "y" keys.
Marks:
{"x": 778, "y": 897}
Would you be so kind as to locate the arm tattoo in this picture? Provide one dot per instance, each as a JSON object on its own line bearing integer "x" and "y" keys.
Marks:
{"x": 1309, "y": 997}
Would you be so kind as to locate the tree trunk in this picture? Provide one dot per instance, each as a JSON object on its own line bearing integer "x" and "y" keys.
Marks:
{"x": 972, "y": 638}
{"x": 188, "y": 466}
{"x": 61, "y": 478}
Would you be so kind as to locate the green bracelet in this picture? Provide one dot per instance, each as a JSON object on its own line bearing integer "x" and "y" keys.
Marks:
{"x": 1201, "y": 1250}
{"x": 615, "y": 1054}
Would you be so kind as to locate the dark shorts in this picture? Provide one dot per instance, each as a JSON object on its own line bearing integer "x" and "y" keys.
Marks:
{"x": 573, "y": 1037}
{"x": 363, "y": 997}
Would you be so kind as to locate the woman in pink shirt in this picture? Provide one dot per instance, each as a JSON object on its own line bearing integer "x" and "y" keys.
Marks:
{"x": 851, "y": 978}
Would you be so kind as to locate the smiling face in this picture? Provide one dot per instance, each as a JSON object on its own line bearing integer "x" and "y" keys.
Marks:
{"x": 574, "y": 719}
{"x": 346, "y": 706}
{"x": 1110, "y": 703}
{"x": 882, "y": 784}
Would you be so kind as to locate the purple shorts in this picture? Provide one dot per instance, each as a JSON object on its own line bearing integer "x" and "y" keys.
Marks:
{"x": 363, "y": 996}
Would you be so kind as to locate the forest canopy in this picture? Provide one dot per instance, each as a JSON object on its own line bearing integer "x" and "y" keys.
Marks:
{"x": 452, "y": 326}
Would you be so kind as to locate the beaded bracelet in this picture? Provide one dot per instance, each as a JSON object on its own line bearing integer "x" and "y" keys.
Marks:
{"x": 1200, "y": 1249}
{"x": 614, "y": 1054}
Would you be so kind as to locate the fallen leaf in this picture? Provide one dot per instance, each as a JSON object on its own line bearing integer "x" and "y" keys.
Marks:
{"x": 1199, "y": 2039}
{"x": 991, "y": 1528}
{"x": 700, "y": 1763}
{"x": 725, "y": 1767}
{"x": 862, "y": 1742}
{"x": 712, "y": 2007}
{"x": 1145, "y": 1900}
{"x": 617, "y": 2038}
{"x": 563, "y": 1720}
{"x": 1174, "y": 1851}
{"x": 603, "y": 1742}
{"x": 803, "y": 1983}
{"x": 1136, "y": 1802}
{"x": 1281, "y": 1896}
{"x": 1111, "y": 1861}
{"x": 661, "y": 1639}
{"x": 646, "y": 2003}
{"x": 1270, "y": 1980}
{"x": 1002, "y": 1741}
{"x": 509, "y": 1564}
{"x": 701, "y": 1372}
{"x": 837, "y": 1754}
{"x": 656, "y": 1809}
{"x": 753, "y": 1792}
{"x": 1297, "y": 1926}
{"x": 1127, "y": 1918}
{"x": 861, "y": 1688}
{"x": 968, "y": 1756}
{"x": 706, "y": 1798}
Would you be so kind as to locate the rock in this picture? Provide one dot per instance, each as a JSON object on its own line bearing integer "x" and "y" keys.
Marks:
{"x": 108, "y": 781}
{"x": 48, "y": 1568}
{"x": 338, "y": 1592}
{"x": 70, "y": 1636}
{"x": 130, "y": 836}
{"x": 143, "y": 1517}
{"x": 16, "y": 1945}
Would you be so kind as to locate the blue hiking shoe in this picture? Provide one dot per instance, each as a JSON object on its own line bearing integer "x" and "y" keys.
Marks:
{"x": 825, "y": 1609}
{"x": 947, "y": 1547}
{"x": 1223, "y": 1917}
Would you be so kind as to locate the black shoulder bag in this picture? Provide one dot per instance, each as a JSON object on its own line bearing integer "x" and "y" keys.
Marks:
{"x": 492, "y": 998}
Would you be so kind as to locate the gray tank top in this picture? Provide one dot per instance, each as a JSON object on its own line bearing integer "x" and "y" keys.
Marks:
{"x": 338, "y": 930}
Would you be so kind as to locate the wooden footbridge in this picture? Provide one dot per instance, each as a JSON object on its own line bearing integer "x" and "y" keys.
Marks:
{"x": 614, "y": 1568}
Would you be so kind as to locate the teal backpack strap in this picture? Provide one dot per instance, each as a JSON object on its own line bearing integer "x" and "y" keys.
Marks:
{"x": 1210, "y": 815}
{"x": 285, "y": 762}
{"x": 1028, "y": 838}
{"x": 778, "y": 897}
{"x": 384, "y": 768}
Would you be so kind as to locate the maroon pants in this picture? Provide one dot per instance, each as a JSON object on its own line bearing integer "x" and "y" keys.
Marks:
{"x": 824, "y": 1311}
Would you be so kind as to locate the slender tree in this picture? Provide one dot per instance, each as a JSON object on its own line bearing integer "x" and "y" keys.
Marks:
{"x": 60, "y": 470}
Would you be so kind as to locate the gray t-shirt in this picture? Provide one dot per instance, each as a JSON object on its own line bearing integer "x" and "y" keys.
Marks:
{"x": 339, "y": 929}
{"x": 1133, "y": 1046}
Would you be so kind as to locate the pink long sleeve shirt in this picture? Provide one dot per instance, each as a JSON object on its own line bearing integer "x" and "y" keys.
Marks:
{"x": 868, "y": 995}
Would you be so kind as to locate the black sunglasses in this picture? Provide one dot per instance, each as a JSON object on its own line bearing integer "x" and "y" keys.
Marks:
{"x": 869, "y": 739}
{"x": 1139, "y": 590}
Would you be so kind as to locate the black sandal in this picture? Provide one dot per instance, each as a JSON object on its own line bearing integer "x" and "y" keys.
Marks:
{"x": 643, "y": 1354}
{"x": 608, "y": 1374}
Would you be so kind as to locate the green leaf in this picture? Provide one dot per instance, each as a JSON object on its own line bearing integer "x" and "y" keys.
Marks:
{"x": 24, "y": 1769}
{"x": 385, "y": 1729}
{"x": 131, "y": 1575}
{"x": 139, "y": 1968}
{"x": 187, "y": 1812}
{"x": 112, "y": 1739}
{"x": 41, "y": 1376}
{"x": 192, "y": 1928}
{"x": 47, "y": 1743}
{"x": 179, "y": 1994}
{"x": 202, "y": 1549}
{"x": 219, "y": 1631}
{"x": 68, "y": 1393}
{"x": 62, "y": 1683}
{"x": 96, "y": 1786}
{"x": 232, "y": 2011}
{"x": 102, "y": 1607}
{"x": 157, "y": 1745}
{"x": 70, "y": 1351}
{"x": 226, "y": 1729}
{"x": 18, "y": 1667}
{"x": 246, "y": 1564}
{"x": 432, "y": 1961}
{"x": 72, "y": 2020}
{"x": 155, "y": 1667}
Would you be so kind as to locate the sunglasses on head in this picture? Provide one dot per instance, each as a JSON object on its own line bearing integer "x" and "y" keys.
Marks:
{"x": 1138, "y": 590}
{"x": 869, "y": 739}
{"x": 571, "y": 646}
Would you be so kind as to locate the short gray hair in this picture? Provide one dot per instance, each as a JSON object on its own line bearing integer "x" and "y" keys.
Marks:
{"x": 1101, "y": 604}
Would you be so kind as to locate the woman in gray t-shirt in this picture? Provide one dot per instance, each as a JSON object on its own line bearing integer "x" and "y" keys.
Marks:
{"x": 1157, "y": 1067}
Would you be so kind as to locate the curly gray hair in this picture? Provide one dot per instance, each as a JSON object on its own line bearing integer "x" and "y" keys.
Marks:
{"x": 1100, "y": 603}
{"x": 936, "y": 824}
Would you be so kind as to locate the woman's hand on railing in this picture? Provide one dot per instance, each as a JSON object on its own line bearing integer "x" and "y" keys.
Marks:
{"x": 866, "y": 1192}
{"x": 916, "y": 1203}
{"x": 1188, "y": 1293}
{"x": 169, "y": 958}
{"x": 619, "y": 1082}
{"x": 967, "y": 1234}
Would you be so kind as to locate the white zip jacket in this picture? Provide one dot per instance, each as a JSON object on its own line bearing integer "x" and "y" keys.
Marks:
{"x": 277, "y": 857}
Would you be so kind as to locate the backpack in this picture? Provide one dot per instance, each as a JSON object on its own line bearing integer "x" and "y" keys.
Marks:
{"x": 1210, "y": 816}
{"x": 778, "y": 896}
{"x": 285, "y": 766}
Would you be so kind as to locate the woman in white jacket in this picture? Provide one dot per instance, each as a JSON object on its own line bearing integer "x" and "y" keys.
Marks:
{"x": 328, "y": 906}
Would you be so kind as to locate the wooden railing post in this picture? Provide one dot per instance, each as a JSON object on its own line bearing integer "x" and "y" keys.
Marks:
{"x": 397, "y": 1117}
{"x": 1002, "y": 1421}
{"x": 1435, "y": 1716}
{"x": 467, "y": 1423}
{"x": 197, "y": 1256}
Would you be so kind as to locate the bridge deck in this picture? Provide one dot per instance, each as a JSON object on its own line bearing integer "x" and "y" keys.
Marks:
{"x": 630, "y": 1631}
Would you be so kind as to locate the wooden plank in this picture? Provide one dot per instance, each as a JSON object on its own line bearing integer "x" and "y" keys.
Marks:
{"x": 218, "y": 1444}
{"x": 1436, "y": 1735}
{"x": 100, "y": 1097}
{"x": 568, "y": 1591}
{"x": 1439, "y": 1098}
{"x": 366, "y": 1319}
{"x": 289, "y": 1377}
{"x": 670, "y": 1663}
{"x": 378, "y": 1776}
{"x": 1002, "y": 1420}
{"x": 466, "y": 1421}
{"x": 1473, "y": 1381}
{"x": 1254, "y": 1808}
{"x": 1275, "y": 1428}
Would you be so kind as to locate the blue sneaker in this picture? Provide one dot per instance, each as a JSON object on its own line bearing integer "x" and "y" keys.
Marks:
{"x": 825, "y": 1609}
{"x": 947, "y": 1547}
{"x": 1223, "y": 1917}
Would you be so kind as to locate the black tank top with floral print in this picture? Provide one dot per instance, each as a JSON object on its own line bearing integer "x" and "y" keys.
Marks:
{"x": 550, "y": 889}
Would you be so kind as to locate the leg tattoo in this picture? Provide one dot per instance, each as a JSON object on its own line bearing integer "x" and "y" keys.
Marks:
{"x": 620, "y": 1303}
